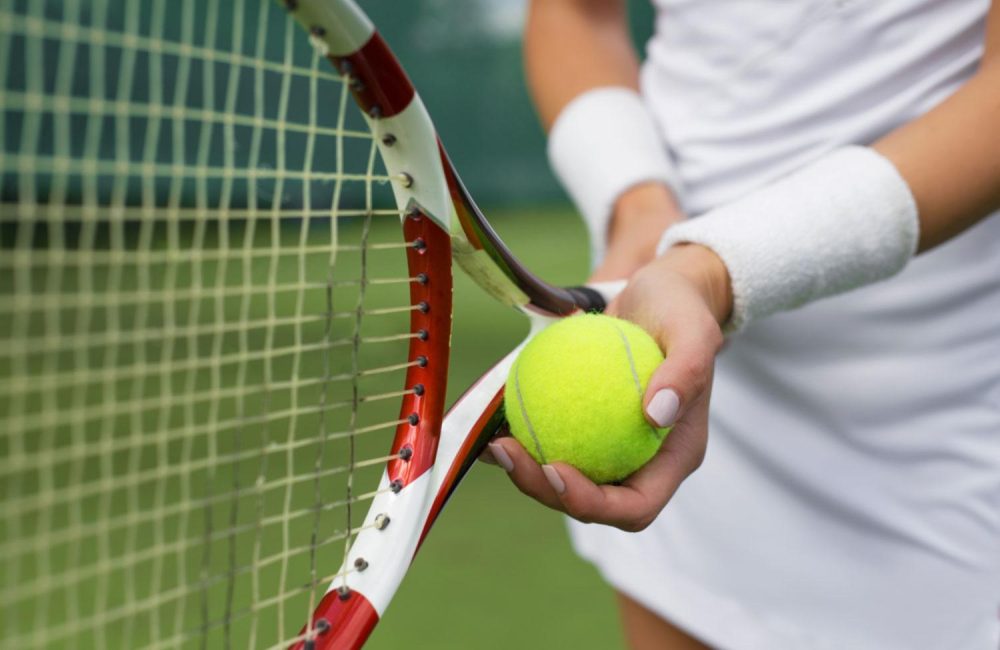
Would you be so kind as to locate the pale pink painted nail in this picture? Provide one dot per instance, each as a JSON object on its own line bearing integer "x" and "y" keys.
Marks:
{"x": 502, "y": 457}
{"x": 554, "y": 479}
{"x": 662, "y": 409}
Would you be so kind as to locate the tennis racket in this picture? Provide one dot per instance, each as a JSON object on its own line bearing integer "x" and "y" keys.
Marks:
{"x": 227, "y": 235}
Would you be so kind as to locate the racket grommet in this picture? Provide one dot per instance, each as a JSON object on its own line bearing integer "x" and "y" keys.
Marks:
{"x": 423, "y": 307}
{"x": 381, "y": 521}
{"x": 419, "y": 244}
{"x": 405, "y": 179}
{"x": 396, "y": 486}
{"x": 423, "y": 335}
{"x": 406, "y": 453}
{"x": 357, "y": 84}
{"x": 388, "y": 139}
{"x": 418, "y": 390}
{"x": 375, "y": 112}
{"x": 360, "y": 564}
{"x": 414, "y": 213}
{"x": 422, "y": 278}
{"x": 322, "y": 626}
{"x": 413, "y": 419}
{"x": 344, "y": 592}
{"x": 316, "y": 30}
{"x": 422, "y": 361}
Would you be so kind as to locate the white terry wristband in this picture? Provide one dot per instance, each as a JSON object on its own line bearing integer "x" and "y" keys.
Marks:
{"x": 844, "y": 221}
{"x": 602, "y": 143}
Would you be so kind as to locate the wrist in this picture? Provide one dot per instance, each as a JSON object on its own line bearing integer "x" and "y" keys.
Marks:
{"x": 845, "y": 220}
{"x": 706, "y": 271}
{"x": 648, "y": 196}
{"x": 603, "y": 143}
{"x": 644, "y": 210}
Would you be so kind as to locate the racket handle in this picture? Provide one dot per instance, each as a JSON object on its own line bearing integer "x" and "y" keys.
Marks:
{"x": 596, "y": 296}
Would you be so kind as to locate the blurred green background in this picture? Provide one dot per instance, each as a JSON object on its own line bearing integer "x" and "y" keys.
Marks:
{"x": 464, "y": 57}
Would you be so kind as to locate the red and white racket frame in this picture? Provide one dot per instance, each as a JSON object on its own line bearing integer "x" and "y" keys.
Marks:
{"x": 432, "y": 451}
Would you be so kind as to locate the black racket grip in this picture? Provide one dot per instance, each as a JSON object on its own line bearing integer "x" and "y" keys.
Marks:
{"x": 587, "y": 299}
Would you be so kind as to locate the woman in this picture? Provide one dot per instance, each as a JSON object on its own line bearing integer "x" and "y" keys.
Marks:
{"x": 840, "y": 160}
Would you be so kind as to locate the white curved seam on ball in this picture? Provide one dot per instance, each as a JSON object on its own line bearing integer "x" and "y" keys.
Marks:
{"x": 635, "y": 373}
{"x": 524, "y": 414}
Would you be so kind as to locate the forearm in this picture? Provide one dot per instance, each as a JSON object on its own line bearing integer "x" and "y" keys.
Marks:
{"x": 571, "y": 46}
{"x": 855, "y": 217}
{"x": 950, "y": 158}
{"x": 604, "y": 145}
{"x": 948, "y": 161}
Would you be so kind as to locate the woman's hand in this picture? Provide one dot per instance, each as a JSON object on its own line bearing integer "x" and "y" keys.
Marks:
{"x": 641, "y": 215}
{"x": 680, "y": 298}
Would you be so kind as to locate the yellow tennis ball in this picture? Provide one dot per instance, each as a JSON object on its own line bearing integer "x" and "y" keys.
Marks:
{"x": 574, "y": 395}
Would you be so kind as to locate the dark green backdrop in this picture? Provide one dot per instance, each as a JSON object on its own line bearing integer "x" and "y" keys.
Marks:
{"x": 465, "y": 58}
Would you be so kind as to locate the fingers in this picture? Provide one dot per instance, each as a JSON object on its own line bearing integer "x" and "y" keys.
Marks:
{"x": 558, "y": 486}
{"x": 690, "y": 339}
{"x": 682, "y": 453}
{"x": 524, "y": 472}
{"x": 685, "y": 374}
{"x": 621, "y": 506}
{"x": 487, "y": 456}
{"x": 631, "y": 506}
{"x": 670, "y": 306}
{"x": 678, "y": 395}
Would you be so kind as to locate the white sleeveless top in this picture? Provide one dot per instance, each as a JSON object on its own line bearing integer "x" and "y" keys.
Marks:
{"x": 850, "y": 497}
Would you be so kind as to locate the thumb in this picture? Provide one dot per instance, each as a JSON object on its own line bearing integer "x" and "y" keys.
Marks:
{"x": 683, "y": 377}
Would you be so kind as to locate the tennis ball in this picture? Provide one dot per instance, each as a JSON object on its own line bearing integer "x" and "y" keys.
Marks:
{"x": 574, "y": 395}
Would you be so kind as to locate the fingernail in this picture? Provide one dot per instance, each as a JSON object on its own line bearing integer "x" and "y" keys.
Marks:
{"x": 662, "y": 409}
{"x": 554, "y": 479}
{"x": 500, "y": 454}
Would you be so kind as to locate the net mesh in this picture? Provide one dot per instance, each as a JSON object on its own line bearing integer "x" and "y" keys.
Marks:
{"x": 203, "y": 324}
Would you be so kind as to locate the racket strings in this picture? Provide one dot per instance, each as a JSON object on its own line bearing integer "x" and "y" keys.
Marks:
{"x": 28, "y": 505}
{"x": 82, "y": 574}
{"x": 83, "y": 378}
{"x": 202, "y": 351}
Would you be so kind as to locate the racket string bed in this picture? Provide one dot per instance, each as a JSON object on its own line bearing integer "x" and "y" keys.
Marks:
{"x": 223, "y": 365}
{"x": 204, "y": 308}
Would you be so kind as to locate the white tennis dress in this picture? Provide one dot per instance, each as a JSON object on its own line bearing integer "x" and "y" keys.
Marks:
{"x": 850, "y": 498}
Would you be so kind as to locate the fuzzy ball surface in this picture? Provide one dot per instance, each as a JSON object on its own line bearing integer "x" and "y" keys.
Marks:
{"x": 574, "y": 395}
